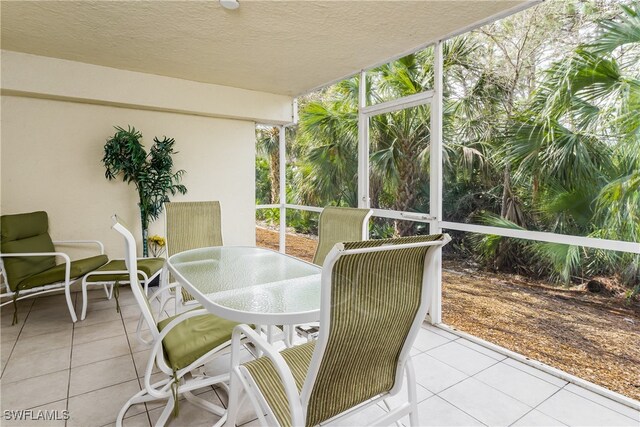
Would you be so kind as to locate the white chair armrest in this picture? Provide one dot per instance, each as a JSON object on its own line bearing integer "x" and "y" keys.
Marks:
{"x": 67, "y": 260}
{"x": 96, "y": 242}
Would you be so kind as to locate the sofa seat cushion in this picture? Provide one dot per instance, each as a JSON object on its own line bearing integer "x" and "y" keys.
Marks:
{"x": 56, "y": 274}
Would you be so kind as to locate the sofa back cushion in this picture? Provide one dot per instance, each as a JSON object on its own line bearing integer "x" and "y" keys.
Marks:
{"x": 25, "y": 233}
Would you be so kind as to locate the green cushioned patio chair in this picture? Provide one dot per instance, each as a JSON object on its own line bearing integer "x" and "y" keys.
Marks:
{"x": 374, "y": 298}
{"x": 191, "y": 225}
{"x": 28, "y": 260}
{"x": 180, "y": 345}
{"x": 340, "y": 225}
{"x": 115, "y": 273}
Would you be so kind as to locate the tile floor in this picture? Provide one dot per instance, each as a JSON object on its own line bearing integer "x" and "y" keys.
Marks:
{"x": 91, "y": 368}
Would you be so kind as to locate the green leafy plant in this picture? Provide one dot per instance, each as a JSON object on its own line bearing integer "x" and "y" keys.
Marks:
{"x": 151, "y": 173}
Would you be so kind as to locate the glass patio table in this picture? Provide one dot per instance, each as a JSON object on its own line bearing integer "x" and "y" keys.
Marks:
{"x": 250, "y": 284}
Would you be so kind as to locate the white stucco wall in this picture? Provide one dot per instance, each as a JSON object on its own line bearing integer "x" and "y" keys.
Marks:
{"x": 51, "y": 149}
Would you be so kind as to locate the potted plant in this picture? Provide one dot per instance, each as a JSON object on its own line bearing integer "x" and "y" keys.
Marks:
{"x": 151, "y": 173}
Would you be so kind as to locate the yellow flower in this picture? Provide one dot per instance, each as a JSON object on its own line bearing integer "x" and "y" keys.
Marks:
{"x": 157, "y": 240}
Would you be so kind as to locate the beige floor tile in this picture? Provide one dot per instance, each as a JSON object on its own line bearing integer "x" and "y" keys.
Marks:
{"x": 608, "y": 403}
{"x": 101, "y": 407}
{"x": 40, "y": 326}
{"x": 127, "y": 298}
{"x": 9, "y": 334}
{"x": 96, "y": 351}
{"x": 34, "y": 392}
{"x": 95, "y": 317}
{"x": 50, "y": 312}
{"x": 83, "y": 333}
{"x": 437, "y": 412}
{"x": 130, "y": 311}
{"x": 141, "y": 360}
{"x": 36, "y": 364}
{"x": 93, "y": 293}
{"x": 136, "y": 345}
{"x": 49, "y": 415}
{"x": 189, "y": 414}
{"x": 131, "y": 325}
{"x": 40, "y": 343}
{"x": 6, "y": 311}
{"x": 484, "y": 403}
{"x": 6, "y": 348}
{"x": 3, "y": 362}
{"x": 100, "y": 304}
{"x": 7, "y": 319}
{"x": 101, "y": 374}
{"x": 51, "y": 301}
{"x": 574, "y": 410}
{"x": 140, "y": 420}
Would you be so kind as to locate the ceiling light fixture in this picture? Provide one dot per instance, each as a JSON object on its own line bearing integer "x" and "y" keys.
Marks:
{"x": 230, "y": 4}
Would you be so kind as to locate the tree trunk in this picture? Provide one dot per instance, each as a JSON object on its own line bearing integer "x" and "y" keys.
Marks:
{"x": 506, "y": 190}
{"x": 145, "y": 244}
{"x": 274, "y": 176}
{"x": 144, "y": 221}
{"x": 409, "y": 177}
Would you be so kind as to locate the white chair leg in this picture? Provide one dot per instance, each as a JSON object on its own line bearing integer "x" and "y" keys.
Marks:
{"x": 72, "y": 309}
{"x": 108, "y": 290}
{"x": 84, "y": 300}
{"x": 233, "y": 403}
{"x": 413, "y": 395}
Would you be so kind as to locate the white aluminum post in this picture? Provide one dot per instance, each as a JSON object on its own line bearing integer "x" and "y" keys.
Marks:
{"x": 435, "y": 180}
{"x": 363, "y": 144}
{"x": 282, "y": 195}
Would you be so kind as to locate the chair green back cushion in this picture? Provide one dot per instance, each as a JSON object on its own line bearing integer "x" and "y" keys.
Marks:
{"x": 22, "y": 233}
{"x": 192, "y": 225}
{"x": 338, "y": 225}
{"x": 268, "y": 380}
{"x": 56, "y": 274}
{"x": 375, "y": 298}
{"x": 194, "y": 337}
{"x": 148, "y": 266}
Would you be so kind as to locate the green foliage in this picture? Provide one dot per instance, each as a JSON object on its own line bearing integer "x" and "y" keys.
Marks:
{"x": 151, "y": 173}
{"x": 263, "y": 183}
{"x": 537, "y": 136}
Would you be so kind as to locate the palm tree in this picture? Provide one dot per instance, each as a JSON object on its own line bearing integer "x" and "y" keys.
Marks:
{"x": 268, "y": 145}
{"x": 579, "y": 139}
{"x": 399, "y": 141}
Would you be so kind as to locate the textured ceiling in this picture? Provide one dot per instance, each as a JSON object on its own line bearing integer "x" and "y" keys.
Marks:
{"x": 283, "y": 47}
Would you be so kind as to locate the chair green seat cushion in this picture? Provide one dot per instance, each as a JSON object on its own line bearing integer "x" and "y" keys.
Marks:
{"x": 269, "y": 382}
{"x": 148, "y": 266}
{"x": 56, "y": 274}
{"x": 194, "y": 337}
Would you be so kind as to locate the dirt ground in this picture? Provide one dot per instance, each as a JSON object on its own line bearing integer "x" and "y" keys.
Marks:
{"x": 592, "y": 336}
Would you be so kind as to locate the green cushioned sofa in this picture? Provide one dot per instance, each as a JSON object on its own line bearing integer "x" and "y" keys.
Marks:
{"x": 28, "y": 260}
